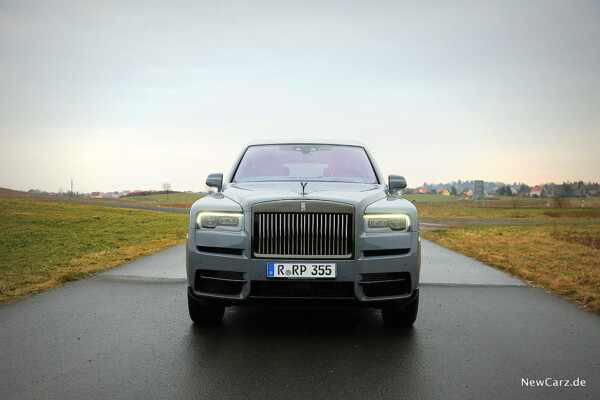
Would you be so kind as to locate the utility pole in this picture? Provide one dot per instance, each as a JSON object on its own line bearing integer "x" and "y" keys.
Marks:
{"x": 71, "y": 187}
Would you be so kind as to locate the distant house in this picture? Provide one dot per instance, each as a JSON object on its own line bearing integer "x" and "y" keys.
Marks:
{"x": 423, "y": 191}
{"x": 445, "y": 192}
{"x": 578, "y": 191}
{"x": 439, "y": 191}
{"x": 124, "y": 193}
{"x": 468, "y": 192}
{"x": 52, "y": 194}
{"x": 538, "y": 191}
{"x": 96, "y": 195}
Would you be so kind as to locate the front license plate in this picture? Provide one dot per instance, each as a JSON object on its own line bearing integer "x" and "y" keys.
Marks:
{"x": 299, "y": 271}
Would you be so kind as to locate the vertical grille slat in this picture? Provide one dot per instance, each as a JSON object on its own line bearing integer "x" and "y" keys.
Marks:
{"x": 261, "y": 239}
{"x": 263, "y": 232}
{"x": 324, "y": 234}
{"x": 293, "y": 234}
{"x": 310, "y": 234}
{"x": 280, "y": 234}
{"x": 341, "y": 233}
{"x": 258, "y": 241}
{"x": 285, "y": 229}
{"x": 296, "y": 235}
{"x": 329, "y": 233}
{"x": 275, "y": 234}
{"x": 338, "y": 234}
{"x": 303, "y": 232}
{"x": 345, "y": 233}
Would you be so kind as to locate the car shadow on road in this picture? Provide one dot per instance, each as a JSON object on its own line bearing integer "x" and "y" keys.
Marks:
{"x": 288, "y": 348}
{"x": 305, "y": 320}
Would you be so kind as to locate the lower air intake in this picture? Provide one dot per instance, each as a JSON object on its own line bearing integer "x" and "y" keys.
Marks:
{"x": 386, "y": 284}
{"x": 219, "y": 282}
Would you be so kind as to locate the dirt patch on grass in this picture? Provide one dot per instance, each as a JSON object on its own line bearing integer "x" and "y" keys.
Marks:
{"x": 591, "y": 241}
{"x": 516, "y": 215}
{"x": 553, "y": 214}
{"x": 581, "y": 213}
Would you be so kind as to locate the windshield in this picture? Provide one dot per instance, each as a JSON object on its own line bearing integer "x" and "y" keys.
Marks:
{"x": 305, "y": 162}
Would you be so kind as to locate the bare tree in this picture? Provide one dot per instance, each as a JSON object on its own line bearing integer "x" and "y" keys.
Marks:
{"x": 166, "y": 187}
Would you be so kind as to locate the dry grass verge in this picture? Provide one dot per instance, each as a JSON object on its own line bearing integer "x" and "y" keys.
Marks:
{"x": 563, "y": 259}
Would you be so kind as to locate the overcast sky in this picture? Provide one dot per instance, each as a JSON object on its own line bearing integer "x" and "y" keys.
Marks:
{"x": 127, "y": 95}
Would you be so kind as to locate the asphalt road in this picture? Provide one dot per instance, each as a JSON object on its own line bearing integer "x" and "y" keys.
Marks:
{"x": 126, "y": 334}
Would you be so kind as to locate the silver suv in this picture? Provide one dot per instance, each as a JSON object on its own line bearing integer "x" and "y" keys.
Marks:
{"x": 301, "y": 222}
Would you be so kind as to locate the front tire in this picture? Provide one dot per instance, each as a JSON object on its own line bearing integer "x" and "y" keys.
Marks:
{"x": 401, "y": 317}
{"x": 204, "y": 314}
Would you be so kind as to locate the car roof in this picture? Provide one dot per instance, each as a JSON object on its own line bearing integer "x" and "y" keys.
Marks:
{"x": 305, "y": 141}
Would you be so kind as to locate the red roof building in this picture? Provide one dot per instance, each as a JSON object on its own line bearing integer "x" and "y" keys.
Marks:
{"x": 538, "y": 191}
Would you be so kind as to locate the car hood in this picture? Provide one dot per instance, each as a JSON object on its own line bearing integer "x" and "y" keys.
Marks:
{"x": 360, "y": 195}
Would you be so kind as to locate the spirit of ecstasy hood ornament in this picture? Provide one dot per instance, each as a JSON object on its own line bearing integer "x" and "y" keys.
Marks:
{"x": 303, "y": 184}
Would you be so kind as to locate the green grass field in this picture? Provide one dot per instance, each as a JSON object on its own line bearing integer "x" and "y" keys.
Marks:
{"x": 162, "y": 198}
{"x": 541, "y": 214}
{"x": 564, "y": 259}
{"x": 504, "y": 201}
{"x": 431, "y": 198}
{"x": 44, "y": 244}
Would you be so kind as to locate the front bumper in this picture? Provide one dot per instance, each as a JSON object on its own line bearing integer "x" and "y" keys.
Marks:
{"x": 237, "y": 278}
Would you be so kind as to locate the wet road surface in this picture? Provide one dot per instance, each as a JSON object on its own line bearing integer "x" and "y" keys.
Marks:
{"x": 126, "y": 334}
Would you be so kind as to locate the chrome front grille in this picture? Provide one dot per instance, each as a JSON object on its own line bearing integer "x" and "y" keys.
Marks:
{"x": 303, "y": 235}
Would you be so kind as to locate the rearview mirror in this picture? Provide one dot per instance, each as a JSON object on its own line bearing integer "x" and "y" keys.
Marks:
{"x": 396, "y": 182}
{"x": 215, "y": 180}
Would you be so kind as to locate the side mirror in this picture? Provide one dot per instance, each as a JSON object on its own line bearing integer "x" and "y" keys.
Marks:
{"x": 215, "y": 180}
{"x": 396, "y": 182}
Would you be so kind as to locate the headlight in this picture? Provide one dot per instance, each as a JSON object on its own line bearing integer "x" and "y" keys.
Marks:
{"x": 387, "y": 223}
{"x": 220, "y": 221}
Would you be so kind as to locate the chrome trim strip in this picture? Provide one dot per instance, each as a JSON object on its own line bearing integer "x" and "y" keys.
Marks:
{"x": 214, "y": 278}
{"x": 385, "y": 281}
